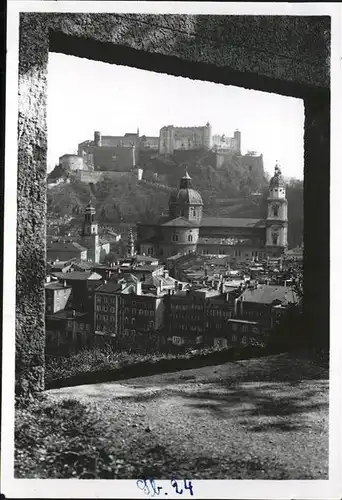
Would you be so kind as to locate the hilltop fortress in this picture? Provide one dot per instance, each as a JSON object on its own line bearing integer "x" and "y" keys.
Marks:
{"x": 116, "y": 156}
{"x": 121, "y": 153}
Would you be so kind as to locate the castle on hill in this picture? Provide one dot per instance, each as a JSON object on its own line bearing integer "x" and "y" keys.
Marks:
{"x": 121, "y": 153}
{"x": 186, "y": 229}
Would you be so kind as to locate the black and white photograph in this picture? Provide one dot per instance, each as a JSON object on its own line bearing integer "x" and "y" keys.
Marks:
{"x": 168, "y": 252}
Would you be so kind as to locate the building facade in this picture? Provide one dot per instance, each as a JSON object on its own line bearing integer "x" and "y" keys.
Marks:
{"x": 57, "y": 296}
{"x": 107, "y": 306}
{"x": 115, "y": 153}
{"x": 71, "y": 162}
{"x": 68, "y": 330}
{"x": 187, "y": 230}
{"x": 225, "y": 143}
{"x": 173, "y": 138}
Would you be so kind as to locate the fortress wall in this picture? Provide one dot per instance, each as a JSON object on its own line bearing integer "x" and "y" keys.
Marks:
{"x": 97, "y": 176}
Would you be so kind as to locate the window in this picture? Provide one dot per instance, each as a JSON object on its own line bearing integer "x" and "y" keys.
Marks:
{"x": 175, "y": 237}
{"x": 190, "y": 237}
{"x": 245, "y": 328}
{"x": 234, "y": 327}
{"x": 234, "y": 338}
{"x": 177, "y": 340}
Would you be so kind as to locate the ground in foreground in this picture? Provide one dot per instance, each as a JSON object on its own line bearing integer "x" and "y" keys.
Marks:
{"x": 263, "y": 418}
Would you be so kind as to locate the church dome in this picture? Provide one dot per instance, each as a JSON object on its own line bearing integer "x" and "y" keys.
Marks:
{"x": 189, "y": 196}
{"x": 277, "y": 180}
{"x": 186, "y": 194}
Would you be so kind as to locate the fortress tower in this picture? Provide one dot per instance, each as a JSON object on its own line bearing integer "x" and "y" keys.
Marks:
{"x": 207, "y": 137}
{"x": 237, "y": 137}
{"x": 276, "y": 222}
{"x": 97, "y": 138}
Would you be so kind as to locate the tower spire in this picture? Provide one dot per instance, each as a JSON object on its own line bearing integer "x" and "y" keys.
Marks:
{"x": 131, "y": 245}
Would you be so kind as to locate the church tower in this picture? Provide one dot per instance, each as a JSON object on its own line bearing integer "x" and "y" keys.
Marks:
{"x": 89, "y": 234}
{"x": 131, "y": 246}
{"x": 276, "y": 222}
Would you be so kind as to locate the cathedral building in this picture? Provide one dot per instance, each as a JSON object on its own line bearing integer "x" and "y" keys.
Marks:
{"x": 187, "y": 229}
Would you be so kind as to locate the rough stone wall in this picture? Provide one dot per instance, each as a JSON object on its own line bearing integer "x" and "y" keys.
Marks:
{"x": 288, "y": 55}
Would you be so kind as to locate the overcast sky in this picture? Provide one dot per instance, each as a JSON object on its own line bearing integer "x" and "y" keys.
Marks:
{"x": 85, "y": 95}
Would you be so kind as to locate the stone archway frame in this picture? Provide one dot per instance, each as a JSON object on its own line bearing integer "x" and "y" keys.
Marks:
{"x": 272, "y": 54}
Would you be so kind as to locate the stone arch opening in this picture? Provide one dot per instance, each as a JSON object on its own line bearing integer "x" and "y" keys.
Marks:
{"x": 193, "y": 55}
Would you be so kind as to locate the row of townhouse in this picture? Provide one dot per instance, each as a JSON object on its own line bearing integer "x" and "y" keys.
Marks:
{"x": 82, "y": 306}
{"x": 225, "y": 317}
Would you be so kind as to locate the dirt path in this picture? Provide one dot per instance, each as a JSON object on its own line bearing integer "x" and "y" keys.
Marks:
{"x": 260, "y": 419}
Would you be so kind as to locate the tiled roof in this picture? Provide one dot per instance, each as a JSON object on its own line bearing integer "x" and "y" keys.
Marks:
{"x": 145, "y": 258}
{"x": 266, "y": 294}
{"x": 231, "y": 222}
{"x": 147, "y": 268}
{"x": 83, "y": 265}
{"x": 66, "y": 246}
{"x": 109, "y": 287}
{"x": 55, "y": 286}
{"x": 224, "y": 241}
{"x": 180, "y": 222}
{"x": 78, "y": 276}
